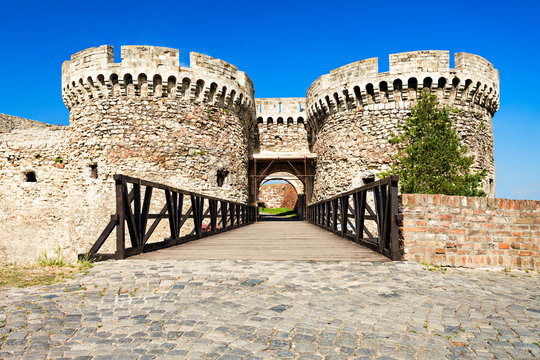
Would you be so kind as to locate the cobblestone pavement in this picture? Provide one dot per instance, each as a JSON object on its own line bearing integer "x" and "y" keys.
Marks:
{"x": 138, "y": 309}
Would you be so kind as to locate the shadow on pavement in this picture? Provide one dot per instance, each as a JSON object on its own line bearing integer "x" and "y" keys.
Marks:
{"x": 280, "y": 217}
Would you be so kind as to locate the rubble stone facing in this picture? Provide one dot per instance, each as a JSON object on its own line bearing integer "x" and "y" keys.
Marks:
{"x": 150, "y": 117}
{"x": 353, "y": 110}
{"x": 471, "y": 231}
{"x": 145, "y": 117}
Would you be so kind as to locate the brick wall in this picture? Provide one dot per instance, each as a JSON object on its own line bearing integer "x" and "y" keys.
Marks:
{"x": 278, "y": 196}
{"x": 471, "y": 232}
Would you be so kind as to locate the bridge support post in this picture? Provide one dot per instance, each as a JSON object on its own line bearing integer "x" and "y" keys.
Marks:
{"x": 120, "y": 227}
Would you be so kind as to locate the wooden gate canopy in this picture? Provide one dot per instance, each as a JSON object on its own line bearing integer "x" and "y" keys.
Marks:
{"x": 205, "y": 215}
{"x": 301, "y": 166}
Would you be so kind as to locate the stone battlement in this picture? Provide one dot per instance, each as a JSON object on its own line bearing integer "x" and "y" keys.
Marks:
{"x": 155, "y": 72}
{"x": 473, "y": 83}
{"x": 280, "y": 110}
{"x": 281, "y": 125}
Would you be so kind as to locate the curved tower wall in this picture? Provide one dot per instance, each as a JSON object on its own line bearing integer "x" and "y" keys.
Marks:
{"x": 149, "y": 117}
{"x": 353, "y": 110}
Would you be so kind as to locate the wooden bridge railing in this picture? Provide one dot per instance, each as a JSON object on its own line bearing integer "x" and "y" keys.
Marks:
{"x": 345, "y": 215}
{"x": 208, "y": 215}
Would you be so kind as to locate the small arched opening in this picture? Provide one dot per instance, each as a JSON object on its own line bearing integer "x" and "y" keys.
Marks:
{"x": 398, "y": 86}
{"x": 158, "y": 86}
{"x": 142, "y": 84}
{"x": 171, "y": 86}
{"x": 30, "y": 176}
{"x": 412, "y": 85}
{"x": 383, "y": 88}
{"x": 370, "y": 91}
{"x": 280, "y": 197}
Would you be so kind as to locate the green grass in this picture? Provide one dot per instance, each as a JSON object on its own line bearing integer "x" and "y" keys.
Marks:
{"x": 44, "y": 260}
{"x": 279, "y": 211}
{"x": 45, "y": 272}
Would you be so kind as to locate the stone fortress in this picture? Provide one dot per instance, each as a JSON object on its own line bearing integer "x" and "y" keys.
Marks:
{"x": 200, "y": 128}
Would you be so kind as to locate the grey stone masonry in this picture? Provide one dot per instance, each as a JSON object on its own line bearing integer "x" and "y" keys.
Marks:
{"x": 137, "y": 309}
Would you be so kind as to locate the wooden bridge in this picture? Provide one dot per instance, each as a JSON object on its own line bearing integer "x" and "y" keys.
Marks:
{"x": 270, "y": 240}
{"x": 360, "y": 225}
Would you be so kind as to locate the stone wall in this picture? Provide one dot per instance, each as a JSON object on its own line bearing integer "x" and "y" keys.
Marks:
{"x": 471, "y": 231}
{"x": 60, "y": 206}
{"x": 9, "y": 123}
{"x": 281, "y": 126}
{"x": 353, "y": 110}
{"x": 278, "y": 196}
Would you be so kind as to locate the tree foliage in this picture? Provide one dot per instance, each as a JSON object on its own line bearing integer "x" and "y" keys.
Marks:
{"x": 430, "y": 158}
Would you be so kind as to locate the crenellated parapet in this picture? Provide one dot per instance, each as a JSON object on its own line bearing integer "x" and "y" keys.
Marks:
{"x": 151, "y": 71}
{"x": 281, "y": 126}
{"x": 472, "y": 85}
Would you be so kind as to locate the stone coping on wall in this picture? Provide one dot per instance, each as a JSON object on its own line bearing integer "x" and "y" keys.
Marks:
{"x": 471, "y": 231}
{"x": 9, "y": 123}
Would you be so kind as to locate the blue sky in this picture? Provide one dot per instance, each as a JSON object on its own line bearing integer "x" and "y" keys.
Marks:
{"x": 284, "y": 47}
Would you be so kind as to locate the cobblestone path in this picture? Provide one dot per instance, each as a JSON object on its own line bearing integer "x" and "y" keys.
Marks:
{"x": 204, "y": 309}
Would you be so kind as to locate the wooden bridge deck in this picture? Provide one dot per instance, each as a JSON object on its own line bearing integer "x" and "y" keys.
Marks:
{"x": 271, "y": 240}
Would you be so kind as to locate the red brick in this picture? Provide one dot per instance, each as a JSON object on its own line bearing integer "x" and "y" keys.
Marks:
{"x": 421, "y": 223}
{"x": 414, "y": 229}
{"x": 509, "y": 204}
{"x": 504, "y": 246}
{"x": 457, "y": 231}
{"x": 438, "y": 230}
{"x": 440, "y": 251}
{"x": 525, "y": 253}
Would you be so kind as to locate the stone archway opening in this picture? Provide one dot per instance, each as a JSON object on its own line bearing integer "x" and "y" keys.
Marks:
{"x": 281, "y": 196}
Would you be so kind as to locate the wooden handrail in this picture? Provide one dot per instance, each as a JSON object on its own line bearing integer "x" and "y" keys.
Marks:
{"x": 133, "y": 211}
{"x": 345, "y": 215}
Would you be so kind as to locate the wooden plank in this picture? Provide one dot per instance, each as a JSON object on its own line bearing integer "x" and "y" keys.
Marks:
{"x": 268, "y": 241}
{"x": 155, "y": 224}
{"x": 120, "y": 228}
{"x": 104, "y": 235}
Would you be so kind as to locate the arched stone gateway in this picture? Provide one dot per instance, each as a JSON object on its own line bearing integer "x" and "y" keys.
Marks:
{"x": 289, "y": 192}
{"x": 261, "y": 168}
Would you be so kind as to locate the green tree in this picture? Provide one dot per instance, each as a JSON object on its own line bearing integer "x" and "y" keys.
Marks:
{"x": 430, "y": 158}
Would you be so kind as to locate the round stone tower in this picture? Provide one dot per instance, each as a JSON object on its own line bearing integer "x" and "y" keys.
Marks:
{"x": 152, "y": 118}
{"x": 353, "y": 110}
